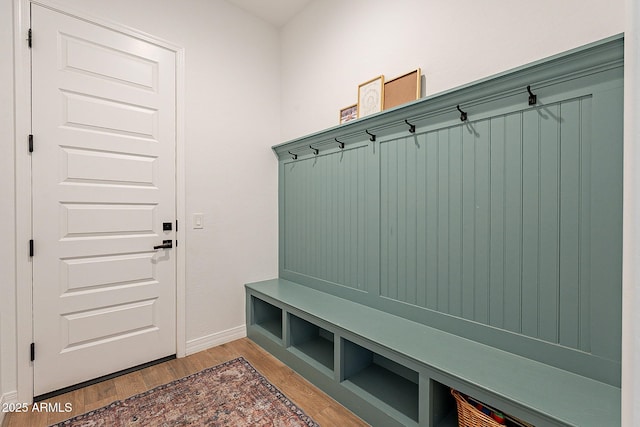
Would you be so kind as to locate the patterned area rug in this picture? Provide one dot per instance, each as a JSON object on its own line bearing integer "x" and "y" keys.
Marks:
{"x": 230, "y": 394}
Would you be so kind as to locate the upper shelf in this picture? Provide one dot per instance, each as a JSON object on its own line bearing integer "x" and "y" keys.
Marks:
{"x": 595, "y": 57}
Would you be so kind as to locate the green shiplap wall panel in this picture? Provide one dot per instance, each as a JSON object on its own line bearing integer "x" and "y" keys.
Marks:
{"x": 324, "y": 226}
{"x": 454, "y": 238}
{"x": 498, "y": 223}
{"x": 432, "y": 208}
{"x": 530, "y": 223}
{"x": 506, "y": 228}
{"x": 548, "y": 268}
{"x": 442, "y": 201}
{"x": 389, "y": 221}
{"x": 399, "y": 279}
{"x": 586, "y": 163}
{"x": 290, "y": 182}
{"x": 481, "y": 213}
{"x": 410, "y": 288}
{"x": 513, "y": 221}
{"x": 569, "y": 225}
{"x": 421, "y": 224}
{"x": 468, "y": 232}
{"x": 483, "y": 221}
{"x": 606, "y": 224}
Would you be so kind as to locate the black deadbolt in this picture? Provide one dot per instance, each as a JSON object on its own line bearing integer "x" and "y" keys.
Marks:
{"x": 166, "y": 226}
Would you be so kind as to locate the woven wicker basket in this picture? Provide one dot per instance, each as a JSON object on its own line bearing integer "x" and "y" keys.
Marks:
{"x": 468, "y": 416}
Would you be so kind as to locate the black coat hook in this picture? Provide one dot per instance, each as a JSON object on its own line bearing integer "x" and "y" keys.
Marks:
{"x": 372, "y": 136}
{"x": 293, "y": 156}
{"x": 340, "y": 144}
{"x": 315, "y": 150}
{"x": 533, "y": 98}
{"x": 463, "y": 115}
{"x": 412, "y": 128}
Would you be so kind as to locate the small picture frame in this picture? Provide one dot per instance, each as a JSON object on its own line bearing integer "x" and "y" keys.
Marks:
{"x": 370, "y": 96}
{"x": 402, "y": 89}
{"x": 348, "y": 113}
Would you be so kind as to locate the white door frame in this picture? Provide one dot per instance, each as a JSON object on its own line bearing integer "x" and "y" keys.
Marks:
{"x": 24, "y": 276}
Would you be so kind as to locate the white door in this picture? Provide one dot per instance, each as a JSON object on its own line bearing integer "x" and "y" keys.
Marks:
{"x": 103, "y": 165}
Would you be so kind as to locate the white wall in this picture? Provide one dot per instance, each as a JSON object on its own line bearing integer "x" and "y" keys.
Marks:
{"x": 232, "y": 119}
{"x": 332, "y": 46}
{"x": 631, "y": 245}
{"x": 7, "y": 229}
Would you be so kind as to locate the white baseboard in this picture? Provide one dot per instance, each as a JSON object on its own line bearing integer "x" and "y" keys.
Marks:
{"x": 11, "y": 397}
{"x": 208, "y": 341}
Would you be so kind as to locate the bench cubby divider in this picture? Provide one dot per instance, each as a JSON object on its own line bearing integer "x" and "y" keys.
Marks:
{"x": 388, "y": 382}
{"x": 311, "y": 342}
{"x": 267, "y": 317}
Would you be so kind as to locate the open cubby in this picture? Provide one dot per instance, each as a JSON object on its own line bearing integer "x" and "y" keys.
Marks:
{"x": 390, "y": 382}
{"x": 311, "y": 340}
{"x": 267, "y": 316}
{"x": 443, "y": 411}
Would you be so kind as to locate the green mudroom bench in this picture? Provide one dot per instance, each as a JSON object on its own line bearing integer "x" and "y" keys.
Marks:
{"x": 422, "y": 250}
{"x": 393, "y": 371}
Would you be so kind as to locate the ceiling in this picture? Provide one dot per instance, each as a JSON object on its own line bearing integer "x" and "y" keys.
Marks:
{"x": 276, "y": 12}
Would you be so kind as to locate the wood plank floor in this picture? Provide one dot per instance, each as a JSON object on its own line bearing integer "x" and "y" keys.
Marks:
{"x": 323, "y": 409}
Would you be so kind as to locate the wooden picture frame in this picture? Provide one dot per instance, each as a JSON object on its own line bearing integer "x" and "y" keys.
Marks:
{"x": 348, "y": 113}
{"x": 402, "y": 89}
{"x": 370, "y": 96}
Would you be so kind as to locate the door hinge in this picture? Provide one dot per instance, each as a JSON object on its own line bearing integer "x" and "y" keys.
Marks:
{"x": 33, "y": 352}
{"x": 31, "y": 248}
{"x": 31, "y": 143}
{"x": 29, "y": 38}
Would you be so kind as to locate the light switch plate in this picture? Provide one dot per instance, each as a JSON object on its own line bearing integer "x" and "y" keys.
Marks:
{"x": 198, "y": 220}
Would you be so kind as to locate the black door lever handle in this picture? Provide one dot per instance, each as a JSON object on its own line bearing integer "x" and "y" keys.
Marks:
{"x": 166, "y": 244}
